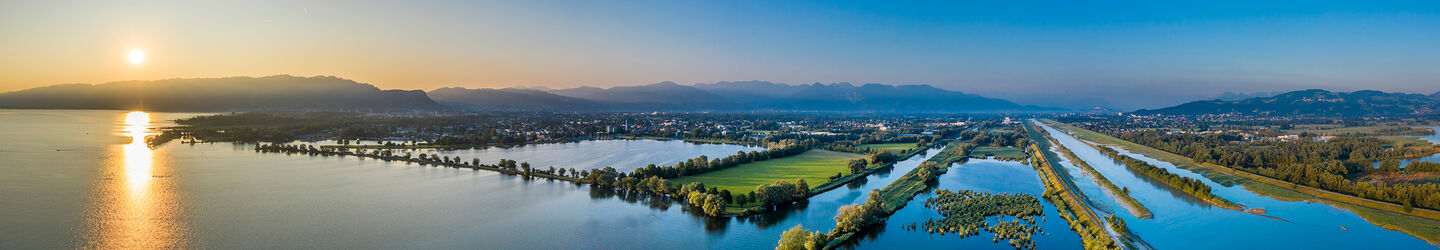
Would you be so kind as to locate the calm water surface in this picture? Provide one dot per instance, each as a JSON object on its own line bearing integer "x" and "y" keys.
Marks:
{"x": 82, "y": 179}
{"x": 623, "y": 155}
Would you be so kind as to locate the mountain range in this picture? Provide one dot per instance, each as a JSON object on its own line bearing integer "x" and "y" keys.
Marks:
{"x": 737, "y": 96}
{"x": 284, "y": 92}
{"x": 281, "y": 92}
{"x": 1313, "y": 102}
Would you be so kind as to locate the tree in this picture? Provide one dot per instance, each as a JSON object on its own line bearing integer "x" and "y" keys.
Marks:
{"x": 726, "y": 194}
{"x": 850, "y": 218}
{"x": 857, "y": 166}
{"x": 797, "y": 238}
{"x": 714, "y": 205}
{"x": 801, "y": 189}
{"x": 882, "y": 156}
{"x": 696, "y": 199}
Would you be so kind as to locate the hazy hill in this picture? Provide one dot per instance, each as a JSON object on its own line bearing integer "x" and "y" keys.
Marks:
{"x": 511, "y": 99}
{"x": 281, "y": 92}
{"x": 730, "y": 96}
{"x": 753, "y": 93}
{"x": 1313, "y": 102}
{"x": 663, "y": 96}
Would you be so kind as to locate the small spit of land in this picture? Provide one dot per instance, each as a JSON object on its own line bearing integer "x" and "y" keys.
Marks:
{"x": 1068, "y": 199}
{"x": 1122, "y": 194}
{"x": 885, "y": 201}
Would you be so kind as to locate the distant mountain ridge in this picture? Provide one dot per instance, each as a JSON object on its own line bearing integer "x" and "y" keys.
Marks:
{"x": 326, "y": 93}
{"x": 764, "y": 96}
{"x": 662, "y": 96}
{"x": 512, "y": 99}
{"x": 1313, "y": 102}
{"x": 281, "y": 92}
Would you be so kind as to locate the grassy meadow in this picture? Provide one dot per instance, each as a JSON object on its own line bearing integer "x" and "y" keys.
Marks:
{"x": 815, "y": 166}
{"x": 895, "y": 148}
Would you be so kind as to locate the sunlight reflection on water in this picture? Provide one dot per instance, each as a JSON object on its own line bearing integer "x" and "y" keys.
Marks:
{"x": 142, "y": 212}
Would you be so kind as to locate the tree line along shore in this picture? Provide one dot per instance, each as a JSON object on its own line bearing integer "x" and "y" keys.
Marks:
{"x": 652, "y": 179}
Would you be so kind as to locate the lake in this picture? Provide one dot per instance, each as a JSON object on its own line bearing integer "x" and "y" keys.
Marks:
{"x": 81, "y": 179}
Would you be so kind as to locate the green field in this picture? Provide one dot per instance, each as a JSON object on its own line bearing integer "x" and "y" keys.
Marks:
{"x": 1002, "y": 153}
{"x": 815, "y": 166}
{"x": 895, "y": 148}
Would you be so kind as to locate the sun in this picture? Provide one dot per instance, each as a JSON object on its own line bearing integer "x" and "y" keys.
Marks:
{"x": 136, "y": 57}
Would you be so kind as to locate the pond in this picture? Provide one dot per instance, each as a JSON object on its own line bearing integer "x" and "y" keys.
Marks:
{"x": 983, "y": 175}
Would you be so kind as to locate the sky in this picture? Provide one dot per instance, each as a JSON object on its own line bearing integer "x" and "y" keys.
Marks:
{"x": 1122, "y": 54}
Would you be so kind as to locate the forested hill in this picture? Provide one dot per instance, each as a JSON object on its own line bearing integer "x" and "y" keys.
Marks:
{"x": 1313, "y": 102}
{"x": 280, "y": 92}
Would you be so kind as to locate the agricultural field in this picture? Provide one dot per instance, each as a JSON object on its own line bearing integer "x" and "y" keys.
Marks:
{"x": 1003, "y": 153}
{"x": 895, "y": 148}
{"x": 815, "y": 166}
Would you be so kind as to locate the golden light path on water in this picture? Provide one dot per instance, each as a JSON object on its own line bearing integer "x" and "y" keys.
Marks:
{"x": 134, "y": 204}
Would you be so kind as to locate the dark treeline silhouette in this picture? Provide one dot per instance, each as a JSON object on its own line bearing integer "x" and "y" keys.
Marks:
{"x": 1322, "y": 164}
{"x": 503, "y": 166}
{"x": 704, "y": 164}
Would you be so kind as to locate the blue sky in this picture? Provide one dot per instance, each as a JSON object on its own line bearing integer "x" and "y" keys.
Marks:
{"x": 1125, "y": 54}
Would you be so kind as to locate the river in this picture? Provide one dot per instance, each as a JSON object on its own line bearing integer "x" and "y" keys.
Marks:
{"x": 1185, "y": 222}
